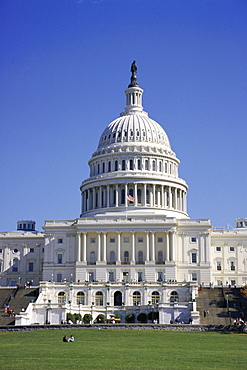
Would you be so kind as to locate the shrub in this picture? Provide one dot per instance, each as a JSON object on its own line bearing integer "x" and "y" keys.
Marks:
{"x": 142, "y": 317}
{"x": 130, "y": 318}
{"x": 87, "y": 318}
{"x": 100, "y": 318}
{"x": 77, "y": 316}
{"x": 70, "y": 317}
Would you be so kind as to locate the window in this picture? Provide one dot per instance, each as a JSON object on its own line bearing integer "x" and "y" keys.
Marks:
{"x": 232, "y": 249}
{"x": 60, "y": 241}
{"x": 111, "y": 276}
{"x": 43, "y": 250}
{"x": 15, "y": 265}
{"x": 140, "y": 257}
{"x": 103, "y": 167}
{"x": 1, "y": 251}
{"x": 125, "y": 276}
{"x": 218, "y": 249}
{"x": 232, "y": 266}
{"x": 15, "y": 250}
{"x": 123, "y": 196}
{"x": 155, "y": 297}
{"x": 90, "y": 276}
{"x": 160, "y": 276}
{"x": 80, "y": 298}
{"x": 136, "y": 298}
{"x": 146, "y": 164}
{"x": 59, "y": 258}
{"x": 131, "y": 165}
{"x": 99, "y": 299}
{"x": 193, "y": 239}
{"x": 92, "y": 258}
{"x": 160, "y": 166}
{"x": 30, "y": 266}
{"x": 154, "y": 166}
{"x": 233, "y": 282}
{"x": 160, "y": 240}
{"x": 140, "y": 240}
{"x": 160, "y": 257}
{"x": 112, "y": 257}
{"x": 147, "y": 196}
{"x": 218, "y": 266}
{"x": 174, "y": 297}
{"x": 139, "y": 277}
{"x": 139, "y": 164}
{"x": 109, "y": 166}
{"x": 112, "y": 240}
{"x": 126, "y": 240}
{"x": 92, "y": 240}
{"x": 61, "y": 298}
{"x": 194, "y": 276}
{"x": 31, "y": 250}
{"x": 193, "y": 258}
{"x": 123, "y": 165}
{"x": 139, "y": 196}
{"x": 59, "y": 278}
{"x": 126, "y": 257}
{"x": 116, "y": 165}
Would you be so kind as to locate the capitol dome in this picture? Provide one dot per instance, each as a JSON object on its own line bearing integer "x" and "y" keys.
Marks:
{"x": 134, "y": 168}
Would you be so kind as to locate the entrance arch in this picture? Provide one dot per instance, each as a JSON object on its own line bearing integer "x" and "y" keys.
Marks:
{"x": 117, "y": 298}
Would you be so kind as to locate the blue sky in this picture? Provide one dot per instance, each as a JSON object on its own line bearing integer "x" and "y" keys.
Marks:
{"x": 63, "y": 69}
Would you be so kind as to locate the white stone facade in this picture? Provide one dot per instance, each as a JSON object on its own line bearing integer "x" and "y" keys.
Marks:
{"x": 134, "y": 248}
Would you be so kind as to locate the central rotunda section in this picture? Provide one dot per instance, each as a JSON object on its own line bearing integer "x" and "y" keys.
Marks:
{"x": 134, "y": 171}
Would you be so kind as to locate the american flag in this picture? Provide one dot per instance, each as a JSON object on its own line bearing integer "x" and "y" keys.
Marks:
{"x": 130, "y": 198}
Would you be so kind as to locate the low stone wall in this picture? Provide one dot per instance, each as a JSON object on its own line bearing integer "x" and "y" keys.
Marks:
{"x": 168, "y": 327}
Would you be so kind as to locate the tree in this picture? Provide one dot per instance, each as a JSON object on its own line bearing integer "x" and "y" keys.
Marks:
{"x": 87, "y": 318}
{"x": 100, "y": 318}
{"x": 130, "y": 318}
{"x": 70, "y": 317}
{"x": 142, "y": 317}
{"x": 77, "y": 317}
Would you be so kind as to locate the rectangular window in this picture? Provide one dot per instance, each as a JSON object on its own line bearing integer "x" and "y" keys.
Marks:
{"x": 232, "y": 249}
{"x": 59, "y": 278}
{"x": 1, "y": 251}
{"x": 218, "y": 266}
{"x": 232, "y": 266}
{"x": 112, "y": 240}
{"x": 160, "y": 240}
{"x": 140, "y": 240}
{"x": 126, "y": 240}
{"x": 60, "y": 241}
{"x": 160, "y": 275}
{"x": 92, "y": 240}
{"x": 193, "y": 258}
{"x": 43, "y": 250}
{"x": 193, "y": 239}
{"x": 194, "y": 276}
{"x": 30, "y": 267}
{"x": 139, "y": 276}
{"x": 233, "y": 282}
{"x": 59, "y": 258}
{"x": 218, "y": 249}
{"x": 91, "y": 276}
{"x": 111, "y": 276}
{"x": 31, "y": 250}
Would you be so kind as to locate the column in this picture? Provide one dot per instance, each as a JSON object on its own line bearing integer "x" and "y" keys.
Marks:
{"x": 118, "y": 248}
{"x": 162, "y": 197}
{"x": 185, "y": 202}
{"x": 117, "y": 202}
{"x": 147, "y": 246}
{"x": 175, "y": 198}
{"x": 78, "y": 244}
{"x": 132, "y": 247}
{"x": 145, "y": 195}
{"x": 104, "y": 246}
{"x": 170, "y": 197}
{"x": 153, "y": 197}
{"x": 165, "y": 197}
{"x": 158, "y": 197}
{"x": 152, "y": 247}
{"x": 135, "y": 194}
{"x": 126, "y": 194}
{"x": 84, "y": 257}
{"x": 108, "y": 196}
{"x": 99, "y": 248}
{"x": 167, "y": 247}
{"x": 172, "y": 245}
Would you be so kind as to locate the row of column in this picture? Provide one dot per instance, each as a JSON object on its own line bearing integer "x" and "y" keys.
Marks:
{"x": 168, "y": 252}
{"x": 145, "y": 195}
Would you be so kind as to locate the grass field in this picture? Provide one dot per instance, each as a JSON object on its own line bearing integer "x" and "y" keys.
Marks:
{"x": 122, "y": 349}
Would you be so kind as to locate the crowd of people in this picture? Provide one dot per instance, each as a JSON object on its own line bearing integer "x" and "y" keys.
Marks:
{"x": 8, "y": 310}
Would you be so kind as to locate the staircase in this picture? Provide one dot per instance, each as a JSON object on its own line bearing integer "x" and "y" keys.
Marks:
{"x": 220, "y": 306}
{"x": 17, "y": 299}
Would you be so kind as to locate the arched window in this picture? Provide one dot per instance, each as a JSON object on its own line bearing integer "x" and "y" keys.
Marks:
{"x": 114, "y": 197}
{"x": 126, "y": 257}
{"x": 160, "y": 257}
{"x": 174, "y": 297}
{"x": 123, "y": 196}
{"x": 15, "y": 265}
{"x": 92, "y": 258}
{"x": 140, "y": 257}
{"x": 160, "y": 166}
{"x": 154, "y": 166}
{"x": 61, "y": 298}
{"x": 103, "y": 167}
{"x": 80, "y": 298}
{"x": 116, "y": 165}
{"x": 147, "y": 196}
{"x": 136, "y": 298}
{"x": 99, "y": 299}
{"x": 146, "y": 164}
{"x": 131, "y": 192}
{"x": 155, "y": 297}
{"x": 112, "y": 257}
{"x": 123, "y": 165}
{"x": 139, "y": 164}
{"x": 131, "y": 165}
{"x": 139, "y": 196}
{"x": 109, "y": 166}
{"x": 98, "y": 168}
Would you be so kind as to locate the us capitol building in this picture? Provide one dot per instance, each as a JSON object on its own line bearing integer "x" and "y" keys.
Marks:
{"x": 134, "y": 248}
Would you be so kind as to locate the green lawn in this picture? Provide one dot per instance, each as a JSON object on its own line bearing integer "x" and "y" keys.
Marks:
{"x": 119, "y": 349}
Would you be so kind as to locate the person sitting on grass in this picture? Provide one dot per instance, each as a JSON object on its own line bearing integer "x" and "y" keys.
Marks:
{"x": 71, "y": 339}
{"x": 65, "y": 339}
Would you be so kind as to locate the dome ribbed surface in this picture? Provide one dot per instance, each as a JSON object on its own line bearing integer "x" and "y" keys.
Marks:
{"x": 134, "y": 128}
